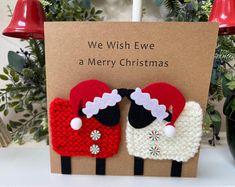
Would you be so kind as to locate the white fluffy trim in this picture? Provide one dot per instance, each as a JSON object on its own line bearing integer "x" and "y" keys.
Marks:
{"x": 169, "y": 131}
{"x": 144, "y": 99}
{"x": 151, "y": 141}
{"x": 76, "y": 123}
{"x": 99, "y": 103}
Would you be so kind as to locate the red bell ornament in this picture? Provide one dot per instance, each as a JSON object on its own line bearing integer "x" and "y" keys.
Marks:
{"x": 223, "y": 12}
{"x": 27, "y": 21}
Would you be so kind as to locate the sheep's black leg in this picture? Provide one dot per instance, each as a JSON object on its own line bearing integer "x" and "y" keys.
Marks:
{"x": 66, "y": 165}
{"x": 176, "y": 169}
{"x": 138, "y": 166}
{"x": 100, "y": 166}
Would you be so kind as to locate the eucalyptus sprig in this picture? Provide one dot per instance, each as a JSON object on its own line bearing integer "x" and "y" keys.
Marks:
{"x": 25, "y": 90}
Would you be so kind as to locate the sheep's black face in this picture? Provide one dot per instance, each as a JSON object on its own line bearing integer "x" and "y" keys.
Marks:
{"x": 139, "y": 117}
{"x": 109, "y": 116}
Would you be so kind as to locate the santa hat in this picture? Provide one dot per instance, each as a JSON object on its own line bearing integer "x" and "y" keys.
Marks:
{"x": 90, "y": 96}
{"x": 158, "y": 98}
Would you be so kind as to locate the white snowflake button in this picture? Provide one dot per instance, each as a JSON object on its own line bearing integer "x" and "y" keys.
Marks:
{"x": 94, "y": 149}
{"x": 154, "y": 135}
{"x": 95, "y": 135}
{"x": 154, "y": 151}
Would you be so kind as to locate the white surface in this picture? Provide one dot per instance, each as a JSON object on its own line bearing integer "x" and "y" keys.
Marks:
{"x": 30, "y": 167}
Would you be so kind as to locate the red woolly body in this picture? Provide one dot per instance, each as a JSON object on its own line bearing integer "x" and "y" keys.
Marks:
{"x": 69, "y": 142}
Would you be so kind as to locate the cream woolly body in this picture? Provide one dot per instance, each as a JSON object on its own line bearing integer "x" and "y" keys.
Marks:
{"x": 183, "y": 146}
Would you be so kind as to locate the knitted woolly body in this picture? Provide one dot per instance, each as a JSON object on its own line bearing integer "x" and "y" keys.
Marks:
{"x": 151, "y": 142}
{"x": 88, "y": 123}
{"x": 69, "y": 142}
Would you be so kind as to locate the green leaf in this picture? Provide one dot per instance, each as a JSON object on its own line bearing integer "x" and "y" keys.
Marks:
{"x": 210, "y": 108}
{"x": 92, "y": 11}
{"x": 207, "y": 120}
{"x": 229, "y": 108}
{"x": 226, "y": 91}
{"x": 32, "y": 130}
{"x": 4, "y": 77}
{"x": 28, "y": 73}
{"x": 231, "y": 85}
{"x": 15, "y": 124}
{"x": 12, "y": 104}
{"x": 20, "y": 140}
{"x": 98, "y": 12}
{"x": 42, "y": 132}
{"x": 228, "y": 76}
{"x": 29, "y": 107}
{"x": 173, "y": 6}
{"x": 16, "y": 61}
{"x": 35, "y": 111}
{"x": 233, "y": 105}
{"x": 215, "y": 117}
{"x": 194, "y": 4}
{"x": 16, "y": 78}
{"x": 36, "y": 136}
{"x": 18, "y": 109}
{"x": 5, "y": 70}
{"x": 2, "y": 107}
{"x": 26, "y": 115}
{"x": 12, "y": 72}
{"x": 37, "y": 122}
{"x": 9, "y": 128}
{"x": 5, "y": 112}
{"x": 22, "y": 120}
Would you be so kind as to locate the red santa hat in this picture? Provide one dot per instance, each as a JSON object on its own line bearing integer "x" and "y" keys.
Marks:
{"x": 158, "y": 98}
{"x": 90, "y": 96}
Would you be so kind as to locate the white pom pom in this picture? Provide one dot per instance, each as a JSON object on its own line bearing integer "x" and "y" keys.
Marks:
{"x": 169, "y": 131}
{"x": 76, "y": 123}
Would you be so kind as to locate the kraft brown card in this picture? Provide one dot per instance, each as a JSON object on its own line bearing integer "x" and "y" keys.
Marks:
{"x": 129, "y": 55}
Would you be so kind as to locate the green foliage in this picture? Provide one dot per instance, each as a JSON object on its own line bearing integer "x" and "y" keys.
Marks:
{"x": 72, "y": 10}
{"x": 229, "y": 107}
{"x": 173, "y": 6}
{"x": 16, "y": 61}
{"x": 25, "y": 91}
{"x": 222, "y": 78}
{"x": 191, "y": 11}
{"x": 212, "y": 118}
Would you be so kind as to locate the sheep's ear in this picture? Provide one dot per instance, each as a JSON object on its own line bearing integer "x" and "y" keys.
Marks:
{"x": 109, "y": 116}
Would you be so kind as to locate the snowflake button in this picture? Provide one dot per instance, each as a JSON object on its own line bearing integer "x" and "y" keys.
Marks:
{"x": 94, "y": 149}
{"x": 95, "y": 135}
{"x": 154, "y": 135}
{"x": 154, "y": 151}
